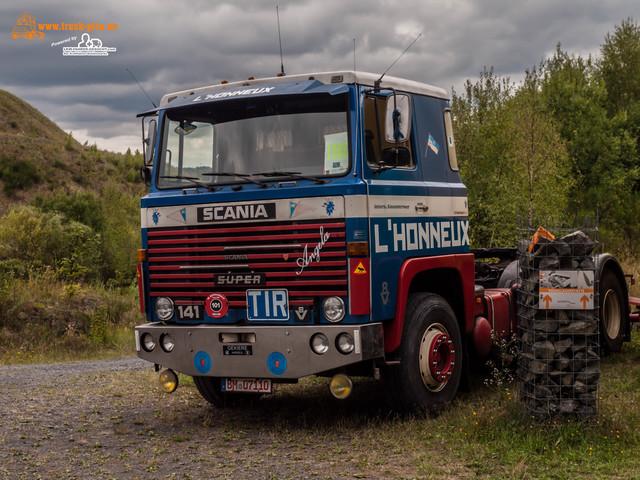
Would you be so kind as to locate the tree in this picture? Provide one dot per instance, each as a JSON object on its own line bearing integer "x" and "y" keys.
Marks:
{"x": 620, "y": 66}
{"x": 539, "y": 159}
{"x": 601, "y": 149}
{"x": 510, "y": 155}
{"x": 481, "y": 149}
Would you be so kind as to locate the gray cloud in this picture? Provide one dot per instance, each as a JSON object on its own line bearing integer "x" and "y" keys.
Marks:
{"x": 171, "y": 46}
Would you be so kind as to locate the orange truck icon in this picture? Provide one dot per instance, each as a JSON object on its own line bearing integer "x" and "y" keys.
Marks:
{"x": 26, "y": 27}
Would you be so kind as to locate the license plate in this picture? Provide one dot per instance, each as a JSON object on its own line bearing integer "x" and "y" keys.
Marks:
{"x": 248, "y": 385}
{"x": 268, "y": 305}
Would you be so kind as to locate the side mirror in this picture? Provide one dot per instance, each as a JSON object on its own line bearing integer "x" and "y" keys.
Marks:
{"x": 149, "y": 141}
{"x": 397, "y": 125}
{"x": 145, "y": 174}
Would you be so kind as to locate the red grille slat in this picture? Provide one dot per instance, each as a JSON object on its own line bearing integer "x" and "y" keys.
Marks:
{"x": 233, "y": 248}
{"x": 255, "y": 238}
{"x": 222, "y": 258}
{"x": 252, "y": 266}
{"x": 245, "y": 229}
{"x": 184, "y": 260}
{"x": 238, "y": 294}
{"x": 307, "y": 273}
{"x": 178, "y": 276}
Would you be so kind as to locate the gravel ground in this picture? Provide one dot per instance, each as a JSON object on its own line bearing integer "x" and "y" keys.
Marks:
{"x": 109, "y": 419}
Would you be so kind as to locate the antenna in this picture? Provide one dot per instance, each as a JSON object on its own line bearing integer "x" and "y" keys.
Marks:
{"x": 377, "y": 82}
{"x": 280, "y": 41}
{"x": 354, "y": 54}
{"x": 143, "y": 91}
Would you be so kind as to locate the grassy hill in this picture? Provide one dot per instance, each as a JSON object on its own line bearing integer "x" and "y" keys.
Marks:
{"x": 69, "y": 230}
{"x": 36, "y": 157}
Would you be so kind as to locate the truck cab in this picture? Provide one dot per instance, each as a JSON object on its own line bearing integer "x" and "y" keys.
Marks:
{"x": 306, "y": 225}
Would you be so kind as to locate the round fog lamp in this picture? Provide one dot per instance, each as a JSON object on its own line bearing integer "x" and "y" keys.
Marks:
{"x": 164, "y": 308}
{"x": 147, "y": 342}
{"x": 319, "y": 343}
{"x": 345, "y": 343}
{"x": 333, "y": 309}
{"x": 168, "y": 380}
{"x": 341, "y": 386}
{"x": 166, "y": 342}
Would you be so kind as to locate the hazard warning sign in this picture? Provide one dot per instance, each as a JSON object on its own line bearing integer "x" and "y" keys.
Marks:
{"x": 360, "y": 270}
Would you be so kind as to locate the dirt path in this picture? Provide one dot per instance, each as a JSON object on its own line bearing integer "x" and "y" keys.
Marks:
{"x": 109, "y": 420}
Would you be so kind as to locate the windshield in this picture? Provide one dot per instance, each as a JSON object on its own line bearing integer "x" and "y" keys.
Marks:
{"x": 230, "y": 141}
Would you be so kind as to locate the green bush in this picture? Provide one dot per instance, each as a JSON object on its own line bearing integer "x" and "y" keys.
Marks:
{"x": 115, "y": 217}
{"x": 34, "y": 240}
{"x": 17, "y": 174}
{"x": 69, "y": 143}
{"x": 84, "y": 207}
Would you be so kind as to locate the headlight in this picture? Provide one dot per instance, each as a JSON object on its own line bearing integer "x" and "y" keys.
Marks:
{"x": 345, "y": 343}
{"x": 320, "y": 343}
{"x": 164, "y": 308}
{"x": 166, "y": 342}
{"x": 147, "y": 342}
{"x": 333, "y": 309}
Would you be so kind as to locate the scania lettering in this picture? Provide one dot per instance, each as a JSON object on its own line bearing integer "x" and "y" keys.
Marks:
{"x": 317, "y": 225}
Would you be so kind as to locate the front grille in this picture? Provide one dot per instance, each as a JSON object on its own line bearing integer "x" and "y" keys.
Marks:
{"x": 183, "y": 261}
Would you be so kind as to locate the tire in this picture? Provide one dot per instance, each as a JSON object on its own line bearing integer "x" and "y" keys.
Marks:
{"x": 431, "y": 334}
{"x": 509, "y": 276}
{"x": 612, "y": 312}
{"x": 211, "y": 390}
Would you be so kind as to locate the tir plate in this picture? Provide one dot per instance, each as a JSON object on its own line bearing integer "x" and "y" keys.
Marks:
{"x": 248, "y": 385}
{"x": 268, "y": 305}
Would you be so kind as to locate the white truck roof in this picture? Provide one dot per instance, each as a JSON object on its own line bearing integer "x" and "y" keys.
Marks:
{"x": 362, "y": 78}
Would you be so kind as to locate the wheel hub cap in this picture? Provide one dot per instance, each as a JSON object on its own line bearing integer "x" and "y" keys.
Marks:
{"x": 437, "y": 358}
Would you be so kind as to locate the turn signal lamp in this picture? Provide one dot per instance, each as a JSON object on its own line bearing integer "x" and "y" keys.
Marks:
{"x": 142, "y": 255}
{"x": 341, "y": 386}
{"x": 168, "y": 380}
{"x": 357, "y": 249}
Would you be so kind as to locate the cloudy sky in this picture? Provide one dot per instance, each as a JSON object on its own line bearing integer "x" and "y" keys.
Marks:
{"x": 170, "y": 45}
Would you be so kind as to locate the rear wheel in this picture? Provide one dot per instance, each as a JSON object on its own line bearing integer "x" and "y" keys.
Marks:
{"x": 211, "y": 390}
{"x": 612, "y": 312}
{"x": 429, "y": 372}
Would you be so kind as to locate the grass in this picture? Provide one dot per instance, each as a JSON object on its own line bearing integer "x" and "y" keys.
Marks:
{"x": 123, "y": 425}
{"x": 489, "y": 432}
{"x": 484, "y": 434}
{"x": 45, "y": 320}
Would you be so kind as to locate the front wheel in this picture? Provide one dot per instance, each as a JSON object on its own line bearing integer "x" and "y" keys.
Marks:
{"x": 430, "y": 368}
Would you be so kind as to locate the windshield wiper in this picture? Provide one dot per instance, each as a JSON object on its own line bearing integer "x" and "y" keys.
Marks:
{"x": 281, "y": 173}
{"x": 194, "y": 180}
{"x": 244, "y": 176}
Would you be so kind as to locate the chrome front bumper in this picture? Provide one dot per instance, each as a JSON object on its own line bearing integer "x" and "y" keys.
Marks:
{"x": 265, "y": 352}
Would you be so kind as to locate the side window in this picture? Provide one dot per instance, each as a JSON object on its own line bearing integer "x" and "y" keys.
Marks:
{"x": 374, "y": 131}
{"x": 451, "y": 144}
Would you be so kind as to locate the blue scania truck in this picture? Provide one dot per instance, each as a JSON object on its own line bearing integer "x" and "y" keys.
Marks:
{"x": 315, "y": 225}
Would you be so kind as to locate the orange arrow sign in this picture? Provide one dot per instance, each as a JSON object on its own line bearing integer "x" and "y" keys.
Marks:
{"x": 547, "y": 300}
{"x": 584, "y": 299}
